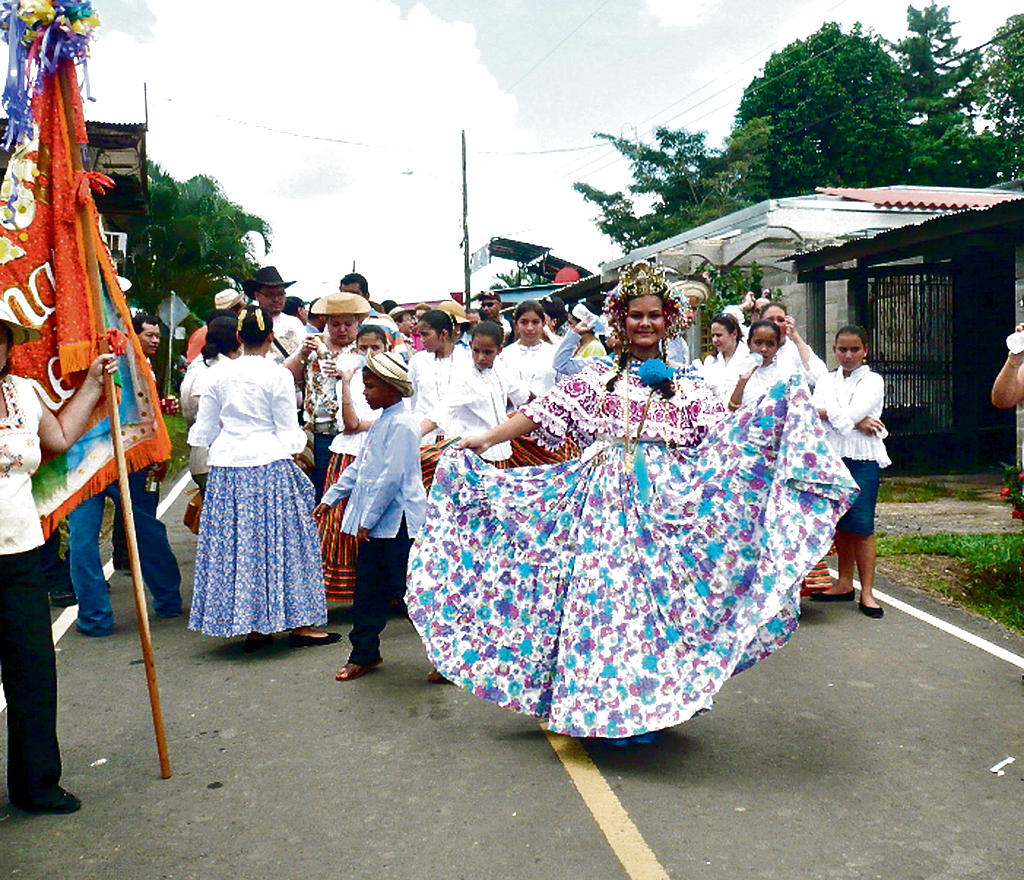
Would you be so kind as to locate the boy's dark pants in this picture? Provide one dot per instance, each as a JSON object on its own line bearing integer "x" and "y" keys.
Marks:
{"x": 380, "y": 577}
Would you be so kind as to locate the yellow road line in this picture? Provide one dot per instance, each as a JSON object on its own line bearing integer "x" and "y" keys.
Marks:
{"x": 623, "y": 836}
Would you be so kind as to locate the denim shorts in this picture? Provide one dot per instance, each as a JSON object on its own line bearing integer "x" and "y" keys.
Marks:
{"x": 860, "y": 519}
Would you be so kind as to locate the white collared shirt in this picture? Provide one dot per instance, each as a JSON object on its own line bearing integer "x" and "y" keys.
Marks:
{"x": 478, "y": 401}
{"x": 532, "y": 365}
{"x": 247, "y": 414}
{"x": 847, "y": 400}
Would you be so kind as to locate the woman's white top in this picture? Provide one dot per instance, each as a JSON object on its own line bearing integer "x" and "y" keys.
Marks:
{"x": 351, "y": 444}
{"x": 20, "y": 455}
{"x": 431, "y": 378}
{"x": 189, "y": 394}
{"x": 847, "y": 400}
{"x": 530, "y": 365}
{"x": 478, "y": 401}
{"x": 788, "y": 359}
{"x": 247, "y": 414}
{"x": 721, "y": 375}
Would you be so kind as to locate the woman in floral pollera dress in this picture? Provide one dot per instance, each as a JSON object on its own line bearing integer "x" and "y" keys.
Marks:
{"x": 612, "y": 595}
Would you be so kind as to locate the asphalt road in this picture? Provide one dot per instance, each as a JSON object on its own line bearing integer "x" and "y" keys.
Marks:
{"x": 861, "y": 750}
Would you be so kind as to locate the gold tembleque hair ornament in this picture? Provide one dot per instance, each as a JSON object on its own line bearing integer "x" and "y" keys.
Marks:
{"x": 647, "y": 279}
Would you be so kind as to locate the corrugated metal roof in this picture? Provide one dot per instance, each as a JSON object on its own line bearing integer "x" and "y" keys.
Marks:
{"x": 1007, "y": 214}
{"x": 951, "y": 199}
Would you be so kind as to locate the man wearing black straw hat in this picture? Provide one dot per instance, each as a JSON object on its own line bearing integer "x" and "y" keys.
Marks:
{"x": 267, "y": 289}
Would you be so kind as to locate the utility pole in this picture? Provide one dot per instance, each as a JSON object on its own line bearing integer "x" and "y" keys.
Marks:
{"x": 465, "y": 227}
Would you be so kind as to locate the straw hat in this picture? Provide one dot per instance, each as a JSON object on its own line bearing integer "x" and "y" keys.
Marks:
{"x": 392, "y": 369}
{"x": 19, "y": 332}
{"x": 227, "y": 299}
{"x": 341, "y": 304}
{"x": 693, "y": 290}
{"x": 454, "y": 310}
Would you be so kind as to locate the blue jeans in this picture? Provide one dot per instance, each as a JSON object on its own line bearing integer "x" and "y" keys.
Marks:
{"x": 159, "y": 567}
{"x": 321, "y": 458}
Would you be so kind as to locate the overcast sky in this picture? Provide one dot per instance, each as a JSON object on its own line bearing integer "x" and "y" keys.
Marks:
{"x": 339, "y": 121}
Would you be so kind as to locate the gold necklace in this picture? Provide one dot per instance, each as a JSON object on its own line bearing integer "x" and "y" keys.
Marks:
{"x": 630, "y": 450}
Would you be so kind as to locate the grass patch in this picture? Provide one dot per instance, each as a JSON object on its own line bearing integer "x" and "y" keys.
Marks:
{"x": 995, "y": 567}
{"x": 915, "y": 491}
{"x": 178, "y": 432}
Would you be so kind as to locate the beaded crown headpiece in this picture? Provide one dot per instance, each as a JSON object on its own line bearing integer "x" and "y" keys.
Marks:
{"x": 647, "y": 279}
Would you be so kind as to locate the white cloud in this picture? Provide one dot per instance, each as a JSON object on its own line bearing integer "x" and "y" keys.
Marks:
{"x": 357, "y": 72}
{"x": 681, "y": 13}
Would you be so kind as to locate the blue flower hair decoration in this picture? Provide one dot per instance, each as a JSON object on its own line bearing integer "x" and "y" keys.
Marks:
{"x": 654, "y": 371}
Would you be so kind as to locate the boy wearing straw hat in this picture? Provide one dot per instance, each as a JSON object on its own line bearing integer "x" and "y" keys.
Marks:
{"x": 386, "y": 506}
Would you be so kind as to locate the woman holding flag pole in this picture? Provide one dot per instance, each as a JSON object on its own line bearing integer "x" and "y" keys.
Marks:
{"x": 27, "y": 431}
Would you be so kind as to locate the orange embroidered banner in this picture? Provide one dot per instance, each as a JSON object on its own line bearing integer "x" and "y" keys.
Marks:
{"x": 44, "y": 279}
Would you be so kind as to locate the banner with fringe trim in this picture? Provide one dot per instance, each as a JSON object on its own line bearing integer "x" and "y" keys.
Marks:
{"x": 44, "y": 279}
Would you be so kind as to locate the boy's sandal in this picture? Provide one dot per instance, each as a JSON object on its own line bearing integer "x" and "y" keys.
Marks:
{"x": 352, "y": 671}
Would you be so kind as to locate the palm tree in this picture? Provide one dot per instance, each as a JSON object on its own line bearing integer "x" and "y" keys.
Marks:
{"x": 193, "y": 241}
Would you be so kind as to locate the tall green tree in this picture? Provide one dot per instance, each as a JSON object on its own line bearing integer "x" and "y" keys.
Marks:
{"x": 944, "y": 91}
{"x": 674, "y": 178}
{"x": 835, "y": 103}
{"x": 193, "y": 241}
{"x": 1004, "y": 103}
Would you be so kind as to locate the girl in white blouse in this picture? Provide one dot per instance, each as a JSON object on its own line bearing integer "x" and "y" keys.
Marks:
{"x": 257, "y": 568}
{"x": 763, "y": 369}
{"x": 530, "y": 359}
{"x": 432, "y": 370}
{"x": 850, "y": 401}
{"x": 722, "y": 368}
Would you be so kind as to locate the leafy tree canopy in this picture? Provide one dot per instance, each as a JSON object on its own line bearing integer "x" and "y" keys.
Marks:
{"x": 194, "y": 241}
{"x": 1005, "y": 98}
{"x": 836, "y": 107}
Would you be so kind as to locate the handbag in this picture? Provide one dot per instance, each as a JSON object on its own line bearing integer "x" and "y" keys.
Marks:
{"x": 193, "y": 510}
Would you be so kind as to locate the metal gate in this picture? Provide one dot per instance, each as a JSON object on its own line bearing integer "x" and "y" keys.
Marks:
{"x": 909, "y": 317}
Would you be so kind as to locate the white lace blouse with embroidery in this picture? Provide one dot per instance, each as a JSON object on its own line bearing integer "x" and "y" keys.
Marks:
{"x": 582, "y": 409}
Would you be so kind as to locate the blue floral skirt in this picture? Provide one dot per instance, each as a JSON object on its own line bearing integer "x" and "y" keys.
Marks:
{"x": 611, "y": 604}
{"x": 258, "y": 555}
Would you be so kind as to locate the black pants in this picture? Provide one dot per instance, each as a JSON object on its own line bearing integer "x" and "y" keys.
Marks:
{"x": 380, "y": 577}
{"x": 29, "y": 672}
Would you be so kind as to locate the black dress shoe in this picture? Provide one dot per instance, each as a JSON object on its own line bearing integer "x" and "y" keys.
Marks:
{"x": 299, "y": 641}
{"x": 63, "y": 599}
{"x": 59, "y": 801}
{"x": 832, "y": 597}
{"x": 868, "y": 611}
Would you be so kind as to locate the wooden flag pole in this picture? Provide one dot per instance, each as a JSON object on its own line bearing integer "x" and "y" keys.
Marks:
{"x": 86, "y": 223}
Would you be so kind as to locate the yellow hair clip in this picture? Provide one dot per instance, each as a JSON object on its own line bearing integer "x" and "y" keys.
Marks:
{"x": 259, "y": 320}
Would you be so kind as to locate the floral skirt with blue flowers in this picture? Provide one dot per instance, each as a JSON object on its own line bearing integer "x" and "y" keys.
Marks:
{"x": 614, "y": 594}
{"x": 258, "y": 554}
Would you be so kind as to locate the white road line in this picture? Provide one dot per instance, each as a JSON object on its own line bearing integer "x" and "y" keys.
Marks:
{"x": 67, "y": 617}
{"x": 948, "y": 628}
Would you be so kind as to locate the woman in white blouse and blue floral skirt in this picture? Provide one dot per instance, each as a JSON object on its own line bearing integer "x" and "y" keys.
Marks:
{"x": 850, "y": 401}
{"x": 258, "y": 557}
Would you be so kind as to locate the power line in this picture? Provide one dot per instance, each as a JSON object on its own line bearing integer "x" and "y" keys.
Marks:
{"x": 349, "y": 143}
{"x": 619, "y": 157}
{"x": 690, "y": 94}
{"x": 558, "y": 45}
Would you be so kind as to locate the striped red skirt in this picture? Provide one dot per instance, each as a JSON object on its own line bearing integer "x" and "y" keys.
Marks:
{"x": 338, "y": 550}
